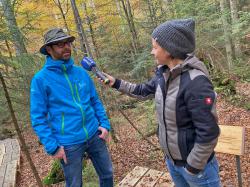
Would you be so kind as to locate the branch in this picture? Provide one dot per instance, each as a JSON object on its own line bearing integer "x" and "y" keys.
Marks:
{"x": 127, "y": 118}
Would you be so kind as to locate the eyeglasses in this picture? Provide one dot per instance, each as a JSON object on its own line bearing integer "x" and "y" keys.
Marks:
{"x": 62, "y": 44}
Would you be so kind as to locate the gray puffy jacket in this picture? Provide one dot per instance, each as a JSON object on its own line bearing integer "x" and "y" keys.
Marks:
{"x": 185, "y": 105}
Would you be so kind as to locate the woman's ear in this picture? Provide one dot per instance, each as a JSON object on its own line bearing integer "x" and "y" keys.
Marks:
{"x": 168, "y": 54}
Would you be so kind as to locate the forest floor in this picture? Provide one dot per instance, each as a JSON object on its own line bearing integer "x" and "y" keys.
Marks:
{"x": 131, "y": 150}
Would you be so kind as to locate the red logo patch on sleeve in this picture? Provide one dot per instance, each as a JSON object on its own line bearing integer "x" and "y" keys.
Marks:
{"x": 208, "y": 100}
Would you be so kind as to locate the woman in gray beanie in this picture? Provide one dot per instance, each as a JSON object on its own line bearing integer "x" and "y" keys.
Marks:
{"x": 185, "y": 105}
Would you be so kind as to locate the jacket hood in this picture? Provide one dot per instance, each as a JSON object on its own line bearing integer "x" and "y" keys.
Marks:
{"x": 58, "y": 65}
{"x": 193, "y": 62}
{"x": 190, "y": 62}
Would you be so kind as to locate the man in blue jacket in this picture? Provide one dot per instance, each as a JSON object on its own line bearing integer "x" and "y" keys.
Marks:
{"x": 67, "y": 114}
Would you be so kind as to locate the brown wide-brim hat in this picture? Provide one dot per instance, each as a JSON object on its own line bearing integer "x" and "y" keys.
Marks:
{"x": 52, "y": 36}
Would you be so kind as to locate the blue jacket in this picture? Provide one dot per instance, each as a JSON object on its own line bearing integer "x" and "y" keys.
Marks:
{"x": 64, "y": 105}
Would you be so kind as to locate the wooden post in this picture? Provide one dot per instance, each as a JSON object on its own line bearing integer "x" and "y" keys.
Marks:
{"x": 238, "y": 170}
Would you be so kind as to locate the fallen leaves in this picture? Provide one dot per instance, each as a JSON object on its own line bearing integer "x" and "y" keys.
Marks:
{"x": 132, "y": 151}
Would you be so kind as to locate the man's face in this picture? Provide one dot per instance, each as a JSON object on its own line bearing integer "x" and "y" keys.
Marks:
{"x": 60, "y": 50}
{"x": 161, "y": 55}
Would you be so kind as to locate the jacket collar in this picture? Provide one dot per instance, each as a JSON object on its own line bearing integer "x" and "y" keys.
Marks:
{"x": 161, "y": 69}
{"x": 191, "y": 62}
{"x": 58, "y": 65}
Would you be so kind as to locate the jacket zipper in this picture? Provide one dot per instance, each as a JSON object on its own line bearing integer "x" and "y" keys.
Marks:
{"x": 72, "y": 93}
{"x": 83, "y": 115}
{"x": 77, "y": 93}
{"x": 164, "y": 119}
{"x": 62, "y": 125}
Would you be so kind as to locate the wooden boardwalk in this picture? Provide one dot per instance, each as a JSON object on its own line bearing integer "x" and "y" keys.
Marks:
{"x": 231, "y": 141}
{"x": 145, "y": 177}
{"x": 138, "y": 177}
{"x": 9, "y": 162}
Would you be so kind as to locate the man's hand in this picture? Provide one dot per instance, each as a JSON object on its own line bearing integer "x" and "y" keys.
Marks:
{"x": 61, "y": 155}
{"x": 104, "y": 133}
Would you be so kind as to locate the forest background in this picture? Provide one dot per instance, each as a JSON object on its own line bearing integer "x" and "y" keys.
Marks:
{"x": 116, "y": 33}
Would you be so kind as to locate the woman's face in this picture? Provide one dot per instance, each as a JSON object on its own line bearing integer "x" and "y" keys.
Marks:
{"x": 162, "y": 57}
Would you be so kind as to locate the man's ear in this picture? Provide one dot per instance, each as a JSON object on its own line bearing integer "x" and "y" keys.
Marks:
{"x": 48, "y": 49}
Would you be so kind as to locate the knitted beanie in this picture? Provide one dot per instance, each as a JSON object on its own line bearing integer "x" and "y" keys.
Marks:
{"x": 176, "y": 36}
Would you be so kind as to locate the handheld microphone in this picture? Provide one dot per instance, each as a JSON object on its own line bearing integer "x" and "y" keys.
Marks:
{"x": 90, "y": 65}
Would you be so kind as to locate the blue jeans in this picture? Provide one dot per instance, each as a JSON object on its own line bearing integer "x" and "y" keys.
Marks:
{"x": 209, "y": 177}
{"x": 98, "y": 153}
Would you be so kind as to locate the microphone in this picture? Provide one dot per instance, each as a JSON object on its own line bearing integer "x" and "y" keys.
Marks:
{"x": 90, "y": 65}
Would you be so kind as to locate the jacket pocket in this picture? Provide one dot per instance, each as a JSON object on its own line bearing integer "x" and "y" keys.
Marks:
{"x": 190, "y": 138}
{"x": 183, "y": 145}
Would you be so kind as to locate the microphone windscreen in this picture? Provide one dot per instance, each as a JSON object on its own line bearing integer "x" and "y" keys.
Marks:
{"x": 88, "y": 63}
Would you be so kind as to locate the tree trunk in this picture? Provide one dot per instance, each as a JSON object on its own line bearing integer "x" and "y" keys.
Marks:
{"x": 169, "y": 8}
{"x": 129, "y": 18}
{"x": 235, "y": 18}
{"x": 117, "y": 39}
{"x": 24, "y": 147}
{"x": 59, "y": 5}
{"x": 119, "y": 11}
{"x": 132, "y": 23}
{"x": 17, "y": 37}
{"x": 9, "y": 50}
{"x": 92, "y": 4}
{"x": 118, "y": 7}
{"x": 92, "y": 34}
{"x": 152, "y": 13}
{"x": 227, "y": 34}
{"x": 83, "y": 38}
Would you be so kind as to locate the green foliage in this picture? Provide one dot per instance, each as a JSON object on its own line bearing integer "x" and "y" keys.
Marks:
{"x": 142, "y": 64}
{"x": 6, "y": 133}
{"x": 241, "y": 28}
{"x": 242, "y": 70}
{"x": 150, "y": 116}
{"x": 116, "y": 121}
{"x": 239, "y": 100}
{"x": 90, "y": 178}
{"x": 224, "y": 85}
{"x": 247, "y": 106}
{"x": 55, "y": 175}
{"x": 129, "y": 104}
{"x": 18, "y": 73}
{"x": 3, "y": 107}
